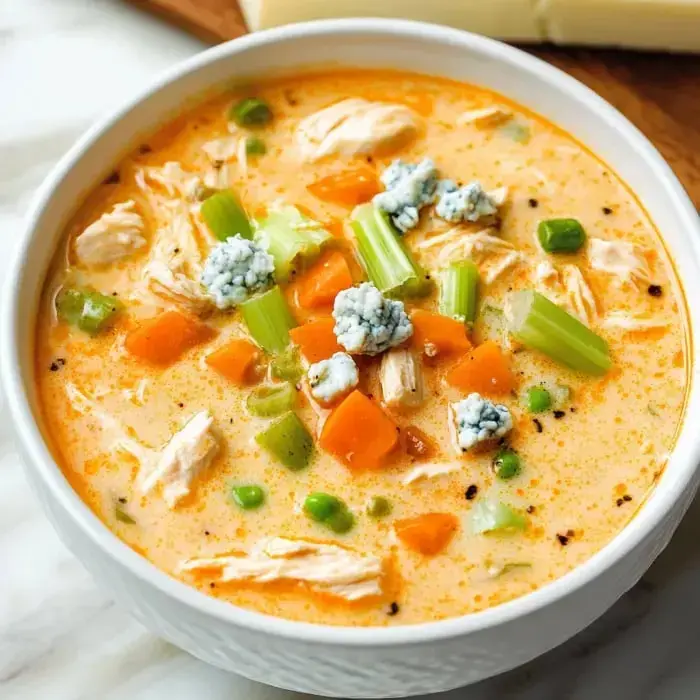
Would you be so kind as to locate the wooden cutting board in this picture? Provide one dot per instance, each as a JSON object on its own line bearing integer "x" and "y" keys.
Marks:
{"x": 660, "y": 93}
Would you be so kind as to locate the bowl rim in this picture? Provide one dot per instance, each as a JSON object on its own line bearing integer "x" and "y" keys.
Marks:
{"x": 41, "y": 462}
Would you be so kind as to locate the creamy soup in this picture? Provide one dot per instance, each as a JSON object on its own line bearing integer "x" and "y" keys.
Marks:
{"x": 362, "y": 348}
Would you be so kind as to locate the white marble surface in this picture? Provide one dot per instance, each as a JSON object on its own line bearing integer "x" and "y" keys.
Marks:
{"x": 62, "y": 63}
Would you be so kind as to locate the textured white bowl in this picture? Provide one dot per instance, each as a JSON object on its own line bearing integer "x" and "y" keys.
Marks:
{"x": 353, "y": 662}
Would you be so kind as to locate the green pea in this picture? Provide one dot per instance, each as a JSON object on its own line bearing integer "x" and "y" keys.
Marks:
{"x": 251, "y": 112}
{"x": 506, "y": 465}
{"x": 248, "y": 497}
{"x": 321, "y": 506}
{"x": 255, "y": 146}
{"x": 538, "y": 399}
{"x": 378, "y": 507}
{"x": 341, "y": 521}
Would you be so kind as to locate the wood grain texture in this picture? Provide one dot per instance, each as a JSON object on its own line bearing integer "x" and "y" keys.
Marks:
{"x": 659, "y": 93}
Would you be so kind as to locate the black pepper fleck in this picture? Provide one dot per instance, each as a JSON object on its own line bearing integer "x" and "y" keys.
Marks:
{"x": 145, "y": 148}
{"x": 627, "y": 498}
{"x": 607, "y": 211}
{"x": 112, "y": 179}
{"x": 181, "y": 405}
{"x": 563, "y": 540}
{"x": 291, "y": 100}
{"x": 559, "y": 414}
{"x": 573, "y": 409}
{"x": 619, "y": 502}
{"x": 530, "y": 510}
{"x": 122, "y": 499}
{"x": 57, "y": 364}
{"x": 176, "y": 251}
{"x": 207, "y": 533}
{"x": 533, "y": 203}
{"x": 212, "y": 585}
{"x": 470, "y": 493}
{"x": 655, "y": 290}
{"x": 114, "y": 294}
{"x": 538, "y": 424}
{"x": 370, "y": 159}
{"x": 393, "y": 609}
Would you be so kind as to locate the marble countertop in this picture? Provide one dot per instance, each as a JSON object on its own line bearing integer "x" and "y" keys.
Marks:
{"x": 63, "y": 63}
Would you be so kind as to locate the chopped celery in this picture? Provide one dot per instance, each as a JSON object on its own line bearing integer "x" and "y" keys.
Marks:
{"x": 250, "y": 112}
{"x": 458, "y": 291}
{"x": 287, "y": 365}
{"x": 225, "y": 216}
{"x": 255, "y": 146}
{"x": 269, "y": 320}
{"x": 293, "y": 240}
{"x": 87, "y": 309}
{"x": 272, "y": 400}
{"x": 288, "y": 440}
{"x": 561, "y": 235}
{"x": 542, "y": 325}
{"x": 384, "y": 255}
{"x": 489, "y": 515}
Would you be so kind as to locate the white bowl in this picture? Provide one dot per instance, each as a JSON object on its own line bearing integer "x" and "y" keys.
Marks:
{"x": 344, "y": 661}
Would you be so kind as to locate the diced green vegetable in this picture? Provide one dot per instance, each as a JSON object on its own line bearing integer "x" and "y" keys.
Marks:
{"x": 287, "y": 365}
{"x": 341, "y": 522}
{"x": 288, "y": 440}
{"x": 273, "y": 400}
{"x": 224, "y": 215}
{"x": 292, "y": 239}
{"x": 384, "y": 256}
{"x": 248, "y": 497}
{"x": 255, "y": 146}
{"x": 87, "y": 309}
{"x": 516, "y": 131}
{"x": 541, "y": 325}
{"x": 269, "y": 320}
{"x": 561, "y": 235}
{"x": 495, "y": 571}
{"x": 539, "y": 399}
{"x": 458, "y": 291}
{"x": 329, "y": 510}
{"x": 251, "y": 112}
{"x": 506, "y": 465}
{"x": 378, "y": 507}
{"x": 121, "y": 515}
{"x": 490, "y": 515}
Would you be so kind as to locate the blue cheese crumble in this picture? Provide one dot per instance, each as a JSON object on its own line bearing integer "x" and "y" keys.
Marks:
{"x": 477, "y": 419}
{"x": 235, "y": 269}
{"x": 409, "y": 188}
{"x": 468, "y": 203}
{"x": 368, "y": 323}
{"x": 332, "y": 378}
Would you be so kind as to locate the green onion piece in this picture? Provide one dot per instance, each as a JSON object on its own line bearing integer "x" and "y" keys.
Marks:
{"x": 516, "y": 131}
{"x": 292, "y": 239}
{"x": 489, "y": 515}
{"x": 87, "y": 309}
{"x": 287, "y": 365}
{"x": 378, "y": 507}
{"x": 255, "y": 146}
{"x": 288, "y": 440}
{"x": 539, "y": 399}
{"x": 384, "y": 256}
{"x": 248, "y": 497}
{"x": 320, "y": 506}
{"x": 541, "y": 325}
{"x": 561, "y": 235}
{"x": 250, "y": 112}
{"x": 506, "y": 465}
{"x": 224, "y": 215}
{"x": 458, "y": 291}
{"x": 121, "y": 515}
{"x": 269, "y": 320}
{"x": 269, "y": 401}
{"x": 341, "y": 522}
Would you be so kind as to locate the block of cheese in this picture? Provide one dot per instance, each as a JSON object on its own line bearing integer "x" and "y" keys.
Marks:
{"x": 514, "y": 20}
{"x": 644, "y": 24}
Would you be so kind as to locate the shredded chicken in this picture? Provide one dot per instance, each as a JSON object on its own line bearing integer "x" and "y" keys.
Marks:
{"x": 630, "y": 322}
{"x": 486, "y": 117}
{"x": 327, "y": 568}
{"x": 567, "y": 288}
{"x": 401, "y": 378}
{"x": 429, "y": 471}
{"x": 188, "y": 453}
{"x": 355, "y": 126}
{"x": 623, "y": 260}
{"x": 173, "y": 179}
{"x": 117, "y": 234}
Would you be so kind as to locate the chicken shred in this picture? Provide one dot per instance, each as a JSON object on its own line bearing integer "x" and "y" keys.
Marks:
{"x": 621, "y": 259}
{"x": 568, "y": 288}
{"x": 401, "y": 379}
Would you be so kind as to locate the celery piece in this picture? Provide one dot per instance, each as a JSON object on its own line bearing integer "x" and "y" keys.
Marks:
{"x": 541, "y": 325}
{"x": 271, "y": 400}
{"x": 458, "y": 291}
{"x": 250, "y": 112}
{"x": 384, "y": 255}
{"x": 87, "y": 309}
{"x": 269, "y": 320}
{"x": 292, "y": 239}
{"x": 490, "y": 515}
{"x": 561, "y": 235}
{"x": 288, "y": 440}
{"x": 287, "y": 365}
{"x": 224, "y": 215}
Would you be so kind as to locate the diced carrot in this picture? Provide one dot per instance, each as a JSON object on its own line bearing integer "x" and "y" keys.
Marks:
{"x": 235, "y": 360}
{"x": 441, "y": 334}
{"x": 323, "y": 280}
{"x": 427, "y": 534}
{"x": 316, "y": 339}
{"x": 485, "y": 370}
{"x": 164, "y": 339}
{"x": 347, "y": 187}
{"x": 359, "y": 433}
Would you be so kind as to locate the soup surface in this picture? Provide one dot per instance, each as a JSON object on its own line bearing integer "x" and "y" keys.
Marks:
{"x": 460, "y": 453}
